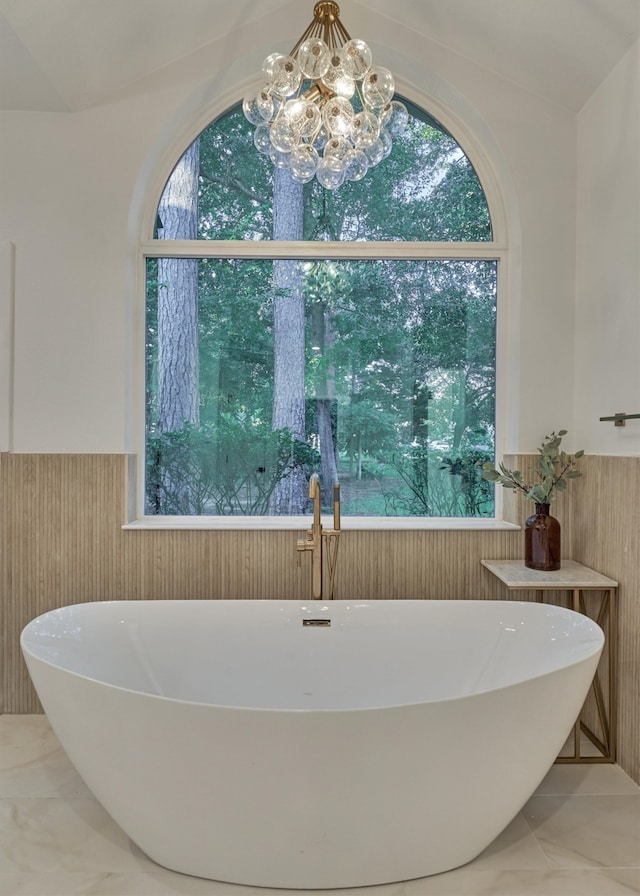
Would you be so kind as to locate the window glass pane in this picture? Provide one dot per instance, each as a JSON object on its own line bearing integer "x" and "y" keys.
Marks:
{"x": 386, "y": 367}
{"x": 426, "y": 190}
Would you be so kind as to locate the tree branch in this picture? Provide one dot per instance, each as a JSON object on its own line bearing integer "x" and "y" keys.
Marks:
{"x": 229, "y": 181}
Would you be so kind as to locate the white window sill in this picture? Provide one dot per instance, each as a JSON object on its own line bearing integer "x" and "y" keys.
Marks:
{"x": 287, "y": 523}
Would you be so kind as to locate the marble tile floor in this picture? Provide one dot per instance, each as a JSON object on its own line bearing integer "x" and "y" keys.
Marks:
{"x": 579, "y": 835}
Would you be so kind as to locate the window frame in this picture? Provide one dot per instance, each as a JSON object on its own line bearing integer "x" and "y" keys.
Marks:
{"x": 495, "y": 250}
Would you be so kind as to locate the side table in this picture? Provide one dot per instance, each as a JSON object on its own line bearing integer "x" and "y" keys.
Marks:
{"x": 574, "y": 579}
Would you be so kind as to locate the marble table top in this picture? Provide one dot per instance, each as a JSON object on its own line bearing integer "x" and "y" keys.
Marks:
{"x": 571, "y": 575}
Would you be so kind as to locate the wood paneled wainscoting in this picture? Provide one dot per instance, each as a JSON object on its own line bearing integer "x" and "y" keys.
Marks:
{"x": 62, "y": 542}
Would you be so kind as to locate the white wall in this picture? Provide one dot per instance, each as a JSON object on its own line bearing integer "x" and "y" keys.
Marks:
{"x": 68, "y": 182}
{"x": 6, "y": 344}
{"x": 607, "y": 336}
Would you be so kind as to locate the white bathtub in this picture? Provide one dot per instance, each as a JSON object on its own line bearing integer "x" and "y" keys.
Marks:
{"x": 232, "y": 742}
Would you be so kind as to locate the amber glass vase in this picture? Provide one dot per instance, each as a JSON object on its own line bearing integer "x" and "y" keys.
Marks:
{"x": 542, "y": 540}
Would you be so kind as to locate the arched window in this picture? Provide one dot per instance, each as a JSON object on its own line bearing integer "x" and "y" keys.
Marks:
{"x": 292, "y": 329}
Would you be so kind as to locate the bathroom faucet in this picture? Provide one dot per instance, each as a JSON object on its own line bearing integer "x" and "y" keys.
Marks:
{"x": 315, "y": 537}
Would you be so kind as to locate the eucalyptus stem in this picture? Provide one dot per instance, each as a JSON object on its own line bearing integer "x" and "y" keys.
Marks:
{"x": 553, "y": 469}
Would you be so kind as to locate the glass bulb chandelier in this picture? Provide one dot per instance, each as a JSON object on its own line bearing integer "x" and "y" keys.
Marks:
{"x": 324, "y": 110}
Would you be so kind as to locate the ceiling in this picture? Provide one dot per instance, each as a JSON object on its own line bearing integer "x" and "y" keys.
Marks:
{"x": 69, "y": 55}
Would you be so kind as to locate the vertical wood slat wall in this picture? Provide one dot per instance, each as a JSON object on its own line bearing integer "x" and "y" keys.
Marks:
{"x": 605, "y": 537}
{"x": 61, "y": 542}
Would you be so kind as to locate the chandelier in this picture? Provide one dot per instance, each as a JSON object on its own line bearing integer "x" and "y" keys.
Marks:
{"x": 324, "y": 110}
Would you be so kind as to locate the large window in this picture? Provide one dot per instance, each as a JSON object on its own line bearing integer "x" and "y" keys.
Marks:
{"x": 291, "y": 329}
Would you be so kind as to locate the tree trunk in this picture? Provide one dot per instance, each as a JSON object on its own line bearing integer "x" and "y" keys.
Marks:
{"x": 178, "y": 366}
{"x": 178, "y": 358}
{"x": 459, "y": 412}
{"x": 290, "y": 494}
{"x": 324, "y": 337}
{"x": 328, "y": 467}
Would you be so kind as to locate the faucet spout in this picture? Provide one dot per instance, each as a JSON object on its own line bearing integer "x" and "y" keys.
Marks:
{"x": 313, "y": 541}
{"x": 314, "y": 495}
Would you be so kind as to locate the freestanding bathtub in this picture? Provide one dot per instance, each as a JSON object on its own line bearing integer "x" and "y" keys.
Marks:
{"x": 312, "y": 745}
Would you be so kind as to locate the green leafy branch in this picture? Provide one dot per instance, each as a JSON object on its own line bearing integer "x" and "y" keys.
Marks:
{"x": 554, "y": 468}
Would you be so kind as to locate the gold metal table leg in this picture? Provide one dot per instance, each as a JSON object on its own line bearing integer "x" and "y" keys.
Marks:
{"x": 612, "y": 638}
{"x": 606, "y": 711}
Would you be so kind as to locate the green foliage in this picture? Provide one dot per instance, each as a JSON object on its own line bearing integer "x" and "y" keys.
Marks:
{"x": 227, "y": 469}
{"x": 474, "y": 491}
{"x": 426, "y": 190}
{"x": 553, "y": 468}
{"x": 430, "y": 493}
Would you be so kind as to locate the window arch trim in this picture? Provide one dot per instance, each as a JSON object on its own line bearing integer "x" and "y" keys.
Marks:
{"x": 160, "y": 167}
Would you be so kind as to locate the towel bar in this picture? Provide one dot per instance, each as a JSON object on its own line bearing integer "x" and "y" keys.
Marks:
{"x": 619, "y": 419}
